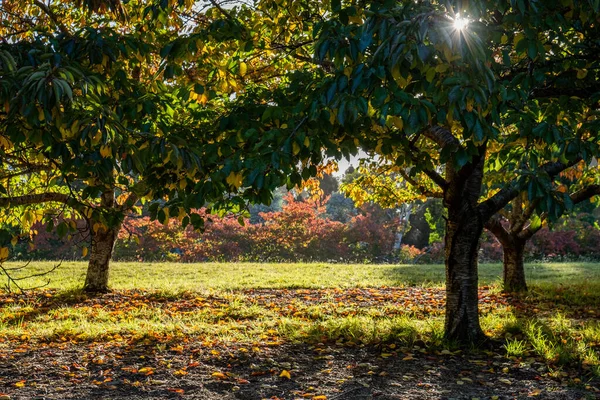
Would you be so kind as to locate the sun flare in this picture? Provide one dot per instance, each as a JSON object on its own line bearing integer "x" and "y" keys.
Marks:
{"x": 460, "y": 23}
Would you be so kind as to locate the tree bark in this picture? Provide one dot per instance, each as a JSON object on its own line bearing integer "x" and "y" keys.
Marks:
{"x": 103, "y": 242}
{"x": 514, "y": 269}
{"x": 464, "y": 227}
{"x": 462, "y": 245}
{"x": 513, "y": 242}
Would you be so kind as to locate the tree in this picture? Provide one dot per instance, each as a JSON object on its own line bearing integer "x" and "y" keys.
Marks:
{"x": 516, "y": 225}
{"x": 385, "y": 183}
{"x": 517, "y": 86}
{"x": 116, "y": 106}
{"x": 87, "y": 126}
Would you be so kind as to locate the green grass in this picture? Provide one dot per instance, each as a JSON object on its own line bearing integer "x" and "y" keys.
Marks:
{"x": 557, "y": 321}
{"x": 229, "y": 276}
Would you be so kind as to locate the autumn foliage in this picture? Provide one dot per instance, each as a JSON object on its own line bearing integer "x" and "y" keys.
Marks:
{"x": 301, "y": 231}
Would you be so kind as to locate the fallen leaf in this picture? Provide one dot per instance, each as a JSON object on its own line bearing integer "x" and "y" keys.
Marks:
{"x": 146, "y": 370}
{"x": 285, "y": 374}
{"x": 219, "y": 375}
{"x": 180, "y": 372}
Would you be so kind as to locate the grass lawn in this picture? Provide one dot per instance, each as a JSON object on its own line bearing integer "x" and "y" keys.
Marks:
{"x": 171, "y": 277}
{"x": 240, "y": 328}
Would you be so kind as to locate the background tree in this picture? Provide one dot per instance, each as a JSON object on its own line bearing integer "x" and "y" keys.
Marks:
{"x": 516, "y": 225}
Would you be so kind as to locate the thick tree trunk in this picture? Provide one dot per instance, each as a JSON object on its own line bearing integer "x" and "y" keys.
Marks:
{"x": 103, "y": 242}
{"x": 514, "y": 270}
{"x": 464, "y": 226}
{"x": 462, "y": 245}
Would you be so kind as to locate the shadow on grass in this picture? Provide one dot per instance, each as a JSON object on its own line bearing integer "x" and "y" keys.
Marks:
{"x": 550, "y": 323}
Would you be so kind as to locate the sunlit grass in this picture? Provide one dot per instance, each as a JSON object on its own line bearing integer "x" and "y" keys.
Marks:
{"x": 172, "y": 277}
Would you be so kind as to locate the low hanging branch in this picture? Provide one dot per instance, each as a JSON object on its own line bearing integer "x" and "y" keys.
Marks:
{"x": 15, "y": 282}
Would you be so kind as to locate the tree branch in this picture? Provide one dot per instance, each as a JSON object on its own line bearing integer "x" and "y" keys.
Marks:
{"x": 494, "y": 225}
{"x": 441, "y": 136}
{"x": 498, "y": 201}
{"x": 520, "y": 220}
{"x": 35, "y": 199}
{"x": 222, "y": 10}
{"x": 421, "y": 189}
{"x": 51, "y": 15}
{"x": 585, "y": 193}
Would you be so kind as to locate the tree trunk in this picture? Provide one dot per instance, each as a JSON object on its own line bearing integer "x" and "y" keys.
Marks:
{"x": 514, "y": 271}
{"x": 103, "y": 242}
{"x": 462, "y": 313}
{"x": 464, "y": 227}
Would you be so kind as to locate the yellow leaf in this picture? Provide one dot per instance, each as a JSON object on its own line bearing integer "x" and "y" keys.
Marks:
{"x": 105, "y": 151}
{"x": 397, "y": 122}
{"x": 306, "y": 142}
{"x": 84, "y": 251}
{"x": 41, "y": 115}
{"x": 285, "y": 374}
{"x": 219, "y": 375}
{"x": 20, "y": 384}
{"x": 235, "y": 179}
{"x": 295, "y": 148}
{"x": 180, "y": 372}
{"x": 146, "y": 370}
{"x": 243, "y": 69}
{"x": 582, "y": 73}
{"x": 469, "y": 104}
{"x": 3, "y": 253}
{"x": 518, "y": 38}
{"x": 5, "y": 143}
{"x": 430, "y": 75}
{"x": 442, "y": 67}
{"x": 320, "y": 397}
{"x": 14, "y": 240}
